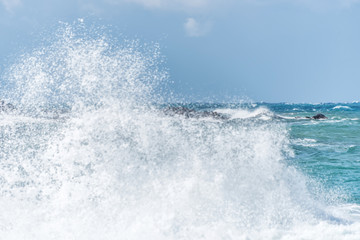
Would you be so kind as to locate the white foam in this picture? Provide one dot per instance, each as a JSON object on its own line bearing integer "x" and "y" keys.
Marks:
{"x": 261, "y": 112}
{"x": 341, "y": 107}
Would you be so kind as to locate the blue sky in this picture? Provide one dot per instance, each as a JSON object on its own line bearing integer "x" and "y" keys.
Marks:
{"x": 264, "y": 50}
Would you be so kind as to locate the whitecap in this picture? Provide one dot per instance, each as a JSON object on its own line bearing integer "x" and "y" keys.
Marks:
{"x": 342, "y": 107}
{"x": 261, "y": 113}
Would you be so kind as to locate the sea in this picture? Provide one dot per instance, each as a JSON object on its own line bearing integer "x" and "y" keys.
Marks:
{"x": 94, "y": 147}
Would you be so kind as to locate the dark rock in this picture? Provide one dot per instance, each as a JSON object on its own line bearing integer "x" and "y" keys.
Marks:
{"x": 319, "y": 116}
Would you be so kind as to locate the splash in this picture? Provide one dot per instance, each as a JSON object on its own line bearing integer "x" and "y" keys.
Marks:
{"x": 113, "y": 166}
{"x": 79, "y": 68}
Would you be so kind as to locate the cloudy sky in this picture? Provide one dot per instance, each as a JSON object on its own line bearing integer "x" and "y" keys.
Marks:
{"x": 264, "y": 50}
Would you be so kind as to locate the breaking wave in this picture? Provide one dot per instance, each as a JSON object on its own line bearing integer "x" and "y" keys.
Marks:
{"x": 111, "y": 165}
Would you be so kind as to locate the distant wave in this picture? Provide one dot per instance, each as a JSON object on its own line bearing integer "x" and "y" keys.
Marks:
{"x": 342, "y": 107}
{"x": 261, "y": 113}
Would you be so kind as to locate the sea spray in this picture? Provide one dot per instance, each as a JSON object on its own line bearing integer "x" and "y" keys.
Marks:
{"x": 112, "y": 165}
{"x": 76, "y": 68}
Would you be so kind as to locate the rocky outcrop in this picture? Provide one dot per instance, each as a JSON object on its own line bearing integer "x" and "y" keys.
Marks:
{"x": 318, "y": 116}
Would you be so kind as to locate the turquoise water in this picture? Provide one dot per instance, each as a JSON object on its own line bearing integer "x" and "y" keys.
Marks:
{"x": 329, "y": 149}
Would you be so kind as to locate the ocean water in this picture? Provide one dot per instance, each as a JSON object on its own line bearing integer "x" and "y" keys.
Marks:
{"x": 90, "y": 152}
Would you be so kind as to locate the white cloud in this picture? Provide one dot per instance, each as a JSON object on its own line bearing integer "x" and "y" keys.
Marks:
{"x": 10, "y": 5}
{"x": 194, "y": 28}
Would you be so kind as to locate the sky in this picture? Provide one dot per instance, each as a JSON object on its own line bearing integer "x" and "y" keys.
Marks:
{"x": 219, "y": 50}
